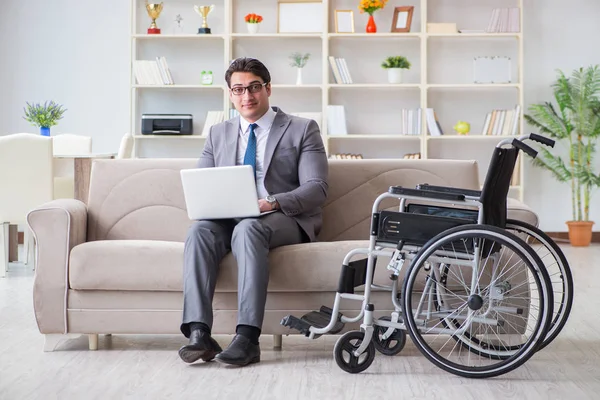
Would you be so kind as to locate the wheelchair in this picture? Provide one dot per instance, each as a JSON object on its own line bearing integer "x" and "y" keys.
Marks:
{"x": 478, "y": 293}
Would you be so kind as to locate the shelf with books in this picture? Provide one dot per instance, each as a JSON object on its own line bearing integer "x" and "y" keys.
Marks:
{"x": 440, "y": 77}
{"x": 390, "y": 147}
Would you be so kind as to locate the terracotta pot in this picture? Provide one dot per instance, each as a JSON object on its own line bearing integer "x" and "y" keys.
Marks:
{"x": 580, "y": 232}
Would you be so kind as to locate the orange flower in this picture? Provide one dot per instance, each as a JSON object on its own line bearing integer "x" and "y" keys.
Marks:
{"x": 253, "y": 18}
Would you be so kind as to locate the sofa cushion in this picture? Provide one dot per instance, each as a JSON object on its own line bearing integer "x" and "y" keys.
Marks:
{"x": 158, "y": 266}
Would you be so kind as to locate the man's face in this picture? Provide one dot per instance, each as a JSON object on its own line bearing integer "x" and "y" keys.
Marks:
{"x": 254, "y": 102}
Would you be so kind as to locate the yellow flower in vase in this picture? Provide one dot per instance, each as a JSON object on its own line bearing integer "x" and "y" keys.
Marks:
{"x": 370, "y": 6}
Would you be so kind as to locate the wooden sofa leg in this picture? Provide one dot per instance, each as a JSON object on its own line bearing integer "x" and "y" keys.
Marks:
{"x": 277, "y": 339}
{"x": 93, "y": 339}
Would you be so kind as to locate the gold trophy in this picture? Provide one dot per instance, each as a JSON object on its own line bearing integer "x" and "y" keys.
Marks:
{"x": 154, "y": 11}
{"x": 204, "y": 11}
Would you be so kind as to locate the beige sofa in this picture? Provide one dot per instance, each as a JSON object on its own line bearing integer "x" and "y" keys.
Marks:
{"x": 115, "y": 265}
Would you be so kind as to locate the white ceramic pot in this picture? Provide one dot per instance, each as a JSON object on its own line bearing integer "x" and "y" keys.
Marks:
{"x": 394, "y": 75}
{"x": 253, "y": 28}
{"x": 299, "y": 76}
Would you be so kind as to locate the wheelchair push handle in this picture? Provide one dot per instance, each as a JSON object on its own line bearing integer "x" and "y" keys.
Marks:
{"x": 541, "y": 139}
{"x": 522, "y": 146}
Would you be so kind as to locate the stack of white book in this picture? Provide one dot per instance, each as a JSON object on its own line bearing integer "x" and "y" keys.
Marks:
{"x": 340, "y": 70}
{"x": 336, "y": 120}
{"x": 433, "y": 125}
{"x": 504, "y": 20}
{"x": 502, "y": 122}
{"x": 152, "y": 72}
{"x": 212, "y": 118}
{"x": 411, "y": 122}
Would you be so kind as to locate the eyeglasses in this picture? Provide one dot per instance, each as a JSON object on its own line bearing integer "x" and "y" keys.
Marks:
{"x": 254, "y": 88}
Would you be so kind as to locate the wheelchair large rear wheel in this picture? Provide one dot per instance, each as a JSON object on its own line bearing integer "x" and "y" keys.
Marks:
{"x": 477, "y": 301}
{"x": 558, "y": 269}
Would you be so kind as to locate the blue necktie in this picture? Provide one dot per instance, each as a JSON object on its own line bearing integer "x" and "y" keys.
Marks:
{"x": 250, "y": 156}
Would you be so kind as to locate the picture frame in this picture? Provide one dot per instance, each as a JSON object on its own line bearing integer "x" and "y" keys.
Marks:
{"x": 402, "y": 18}
{"x": 300, "y": 16}
{"x": 344, "y": 21}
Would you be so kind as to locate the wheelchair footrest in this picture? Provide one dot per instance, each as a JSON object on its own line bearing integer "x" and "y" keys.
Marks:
{"x": 318, "y": 319}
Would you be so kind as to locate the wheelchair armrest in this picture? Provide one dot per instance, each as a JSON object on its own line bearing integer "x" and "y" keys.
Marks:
{"x": 426, "y": 193}
{"x": 447, "y": 189}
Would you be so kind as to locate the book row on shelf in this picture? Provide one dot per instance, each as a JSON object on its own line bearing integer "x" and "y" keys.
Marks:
{"x": 345, "y": 156}
{"x": 348, "y": 156}
{"x": 497, "y": 122}
{"x": 411, "y": 122}
{"x": 504, "y": 20}
{"x": 340, "y": 70}
{"x": 502, "y": 122}
{"x": 152, "y": 72}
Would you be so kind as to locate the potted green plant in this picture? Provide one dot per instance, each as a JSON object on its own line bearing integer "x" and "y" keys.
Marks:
{"x": 574, "y": 122}
{"x": 394, "y": 66}
{"x": 299, "y": 61}
{"x": 44, "y": 115}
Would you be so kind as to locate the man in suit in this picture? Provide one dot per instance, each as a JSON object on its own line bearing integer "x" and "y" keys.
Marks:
{"x": 290, "y": 164}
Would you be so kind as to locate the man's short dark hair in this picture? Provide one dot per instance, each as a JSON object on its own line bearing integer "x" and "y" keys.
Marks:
{"x": 251, "y": 65}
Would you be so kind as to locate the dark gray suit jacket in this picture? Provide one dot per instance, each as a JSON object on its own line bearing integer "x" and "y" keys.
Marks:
{"x": 295, "y": 165}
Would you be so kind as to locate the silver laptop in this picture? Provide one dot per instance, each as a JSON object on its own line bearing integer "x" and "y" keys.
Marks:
{"x": 220, "y": 192}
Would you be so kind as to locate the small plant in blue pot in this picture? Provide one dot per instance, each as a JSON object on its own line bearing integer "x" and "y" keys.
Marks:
{"x": 44, "y": 115}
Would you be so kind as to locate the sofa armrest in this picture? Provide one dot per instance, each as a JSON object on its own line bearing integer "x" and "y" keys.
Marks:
{"x": 57, "y": 227}
{"x": 521, "y": 212}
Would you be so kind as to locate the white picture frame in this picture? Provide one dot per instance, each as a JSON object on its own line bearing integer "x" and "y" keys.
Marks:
{"x": 344, "y": 21}
{"x": 300, "y": 16}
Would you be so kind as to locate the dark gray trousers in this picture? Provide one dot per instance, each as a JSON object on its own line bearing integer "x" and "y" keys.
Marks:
{"x": 249, "y": 239}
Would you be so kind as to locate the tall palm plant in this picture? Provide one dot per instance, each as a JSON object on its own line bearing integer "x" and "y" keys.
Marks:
{"x": 577, "y": 122}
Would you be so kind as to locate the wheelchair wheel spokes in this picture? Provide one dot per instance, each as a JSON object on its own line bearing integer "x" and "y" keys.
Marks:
{"x": 476, "y": 317}
{"x": 558, "y": 269}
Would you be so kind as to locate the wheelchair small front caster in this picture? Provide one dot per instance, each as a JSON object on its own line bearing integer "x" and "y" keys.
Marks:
{"x": 344, "y": 349}
{"x": 392, "y": 345}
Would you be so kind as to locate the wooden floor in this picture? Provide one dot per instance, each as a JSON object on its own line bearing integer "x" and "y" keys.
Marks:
{"x": 147, "y": 367}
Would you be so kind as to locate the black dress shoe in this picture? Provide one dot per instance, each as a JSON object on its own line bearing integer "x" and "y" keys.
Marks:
{"x": 201, "y": 346}
{"x": 240, "y": 352}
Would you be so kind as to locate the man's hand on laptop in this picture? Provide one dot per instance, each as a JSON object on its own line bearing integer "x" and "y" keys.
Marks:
{"x": 264, "y": 205}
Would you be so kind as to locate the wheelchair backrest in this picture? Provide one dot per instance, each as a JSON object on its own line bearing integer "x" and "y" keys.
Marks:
{"x": 497, "y": 184}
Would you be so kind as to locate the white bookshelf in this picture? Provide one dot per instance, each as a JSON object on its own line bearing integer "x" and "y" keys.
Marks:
{"x": 438, "y": 78}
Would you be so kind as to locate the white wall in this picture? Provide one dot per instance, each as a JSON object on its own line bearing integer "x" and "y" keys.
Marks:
{"x": 77, "y": 53}
{"x": 73, "y": 52}
{"x": 559, "y": 35}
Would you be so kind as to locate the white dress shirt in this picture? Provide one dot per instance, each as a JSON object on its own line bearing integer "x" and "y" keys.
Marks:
{"x": 262, "y": 133}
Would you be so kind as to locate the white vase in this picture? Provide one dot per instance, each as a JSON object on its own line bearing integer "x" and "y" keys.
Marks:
{"x": 298, "y": 76}
{"x": 253, "y": 28}
{"x": 394, "y": 75}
